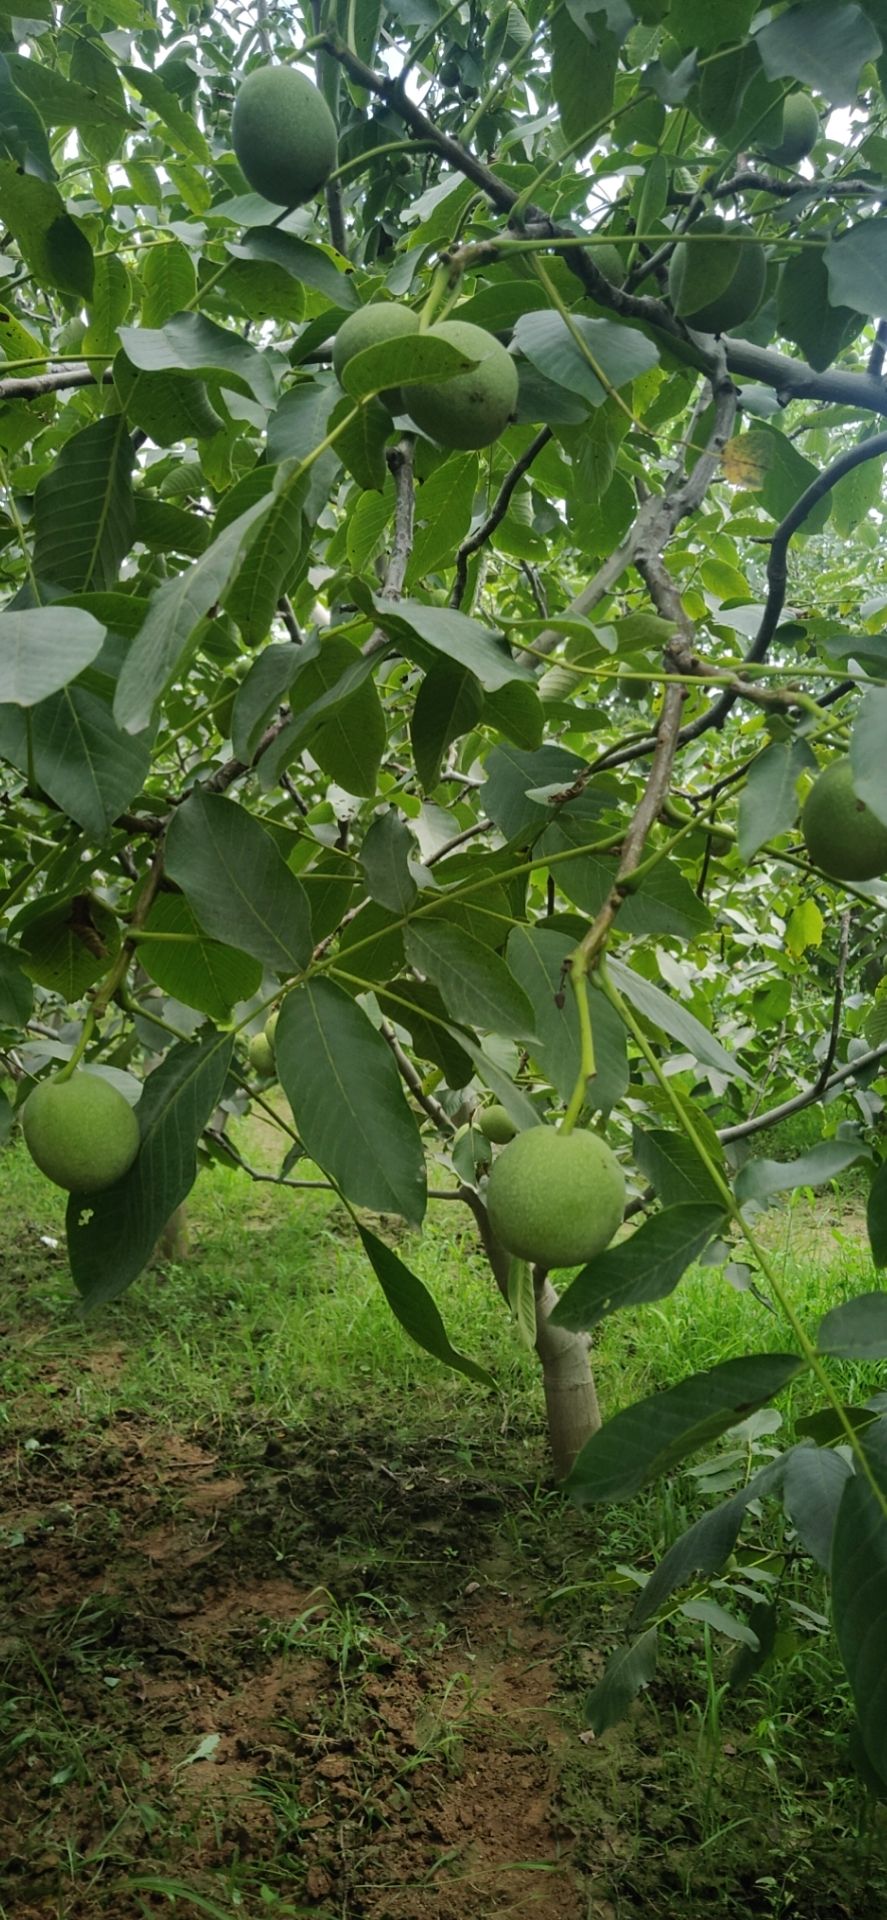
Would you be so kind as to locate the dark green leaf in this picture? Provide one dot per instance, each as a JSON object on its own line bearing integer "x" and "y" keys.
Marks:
{"x": 78, "y": 755}
{"x": 757, "y": 1179}
{"x": 448, "y": 704}
{"x": 867, "y": 752}
{"x": 672, "y": 1165}
{"x": 876, "y": 1216}
{"x": 51, "y": 243}
{"x": 22, "y": 131}
{"x": 361, "y": 445}
{"x": 412, "y": 1304}
{"x": 813, "y": 1489}
{"x": 820, "y": 45}
{"x": 624, "y": 1677}
{"x": 536, "y": 958}
{"x": 268, "y": 566}
{"x": 663, "y": 1012}
{"x": 417, "y": 1005}
{"x": 646, "y": 1267}
{"x": 67, "y": 943}
{"x": 409, "y": 359}
{"x": 859, "y": 1603}
{"x": 83, "y": 512}
{"x": 476, "y": 985}
{"x": 240, "y": 888}
{"x": 176, "y": 609}
{"x": 421, "y": 632}
{"x": 16, "y": 994}
{"x": 201, "y": 973}
{"x": 653, "y": 1436}
{"x": 189, "y": 343}
{"x": 768, "y": 804}
{"x": 179, "y": 123}
{"x": 343, "y": 1086}
{"x": 618, "y": 353}
{"x": 857, "y": 1330}
{"x": 307, "y": 264}
{"x": 385, "y": 855}
{"x": 42, "y": 649}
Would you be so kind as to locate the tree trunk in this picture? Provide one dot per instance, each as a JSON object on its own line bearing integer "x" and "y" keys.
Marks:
{"x": 174, "y": 1240}
{"x": 570, "y": 1396}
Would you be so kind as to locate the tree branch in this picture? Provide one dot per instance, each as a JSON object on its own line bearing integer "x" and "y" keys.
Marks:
{"x": 474, "y": 541}
{"x": 412, "y": 1080}
{"x": 805, "y": 1097}
{"x": 777, "y": 567}
{"x": 400, "y": 463}
{"x": 32, "y": 385}
{"x": 658, "y": 516}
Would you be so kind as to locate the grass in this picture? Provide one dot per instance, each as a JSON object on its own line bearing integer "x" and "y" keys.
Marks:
{"x": 372, "y": 1490}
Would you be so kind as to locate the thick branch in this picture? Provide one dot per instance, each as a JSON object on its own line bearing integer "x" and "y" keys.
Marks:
{"x": 474, "y": 541}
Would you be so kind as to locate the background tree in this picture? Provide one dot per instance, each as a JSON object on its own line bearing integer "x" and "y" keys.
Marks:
{"x": 466, "y": 725}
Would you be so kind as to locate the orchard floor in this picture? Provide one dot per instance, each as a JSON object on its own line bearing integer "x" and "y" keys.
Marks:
{"x": 294, "y": 1623}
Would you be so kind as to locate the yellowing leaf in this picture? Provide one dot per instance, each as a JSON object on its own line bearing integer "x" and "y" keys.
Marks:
{"x": 804, "y": 928}
{"x": 743, "y": 462}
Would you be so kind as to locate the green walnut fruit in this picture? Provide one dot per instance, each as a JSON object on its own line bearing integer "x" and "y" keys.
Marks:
{"x": 716, "y": 280}
{"x": 369, "y": 327}
{"x": 283, "y": 134}
{"x": 496, "y": 1125}
{"x": 271, "y": 1026}
{"x": 261, "y": 1055}
{"x": 790, "y": 132}
{"x": 472, "y": 409}
{"x": 81, "y": 1132}
{"x": 556, "y": 1198}
{"x": 843, "y": 836}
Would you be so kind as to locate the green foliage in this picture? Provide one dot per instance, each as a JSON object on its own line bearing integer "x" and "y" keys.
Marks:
{"x": 406, "y": 728}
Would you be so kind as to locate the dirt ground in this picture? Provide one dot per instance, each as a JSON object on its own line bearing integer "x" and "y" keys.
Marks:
{"x": 254, "y": 1671}
{"x": 192, "y": 1684}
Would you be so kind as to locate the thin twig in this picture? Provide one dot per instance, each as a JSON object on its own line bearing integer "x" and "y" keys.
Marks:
{"x": 474, "y": 541}
{"x": 805, "y": 1097}
{"x": 411, "y": 1079}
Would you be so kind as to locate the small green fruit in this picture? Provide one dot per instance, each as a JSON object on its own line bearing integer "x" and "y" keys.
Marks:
{"x": 474, "y": 408}
{"x": 790, "y": 132}
{"x": 716, "y": 280}
{"x": 271, "y": 1026}
{"x": 843, "y": 836}
{"x": 557, "y": 684}
{"x": 556, "y": 1198}
{"x": 368, "y": 327}
{"x": 495, "y": 1125}
{"x": 261, "y": 1056}
{"x": 81, "y": 1132}
{"x": 283, "y": 134}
